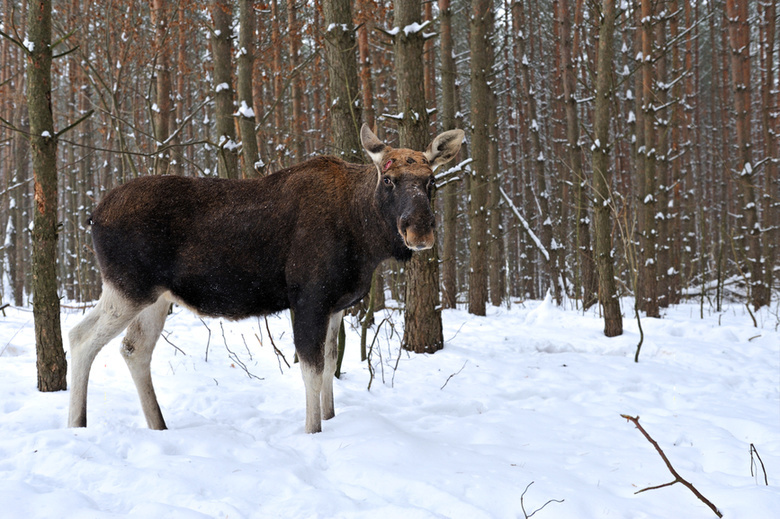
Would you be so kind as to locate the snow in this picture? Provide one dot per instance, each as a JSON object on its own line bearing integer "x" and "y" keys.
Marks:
{"x": 531, "y": 393}
{"x": 222, "y": 86}
{"x": 29, "y": 45}
{"x": 45, "y": 134}
{"x": 415, "y": 27}
{"x": 245, "y": 110}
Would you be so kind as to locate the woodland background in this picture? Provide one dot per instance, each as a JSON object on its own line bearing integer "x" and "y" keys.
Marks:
{"x": 631, "y": 142}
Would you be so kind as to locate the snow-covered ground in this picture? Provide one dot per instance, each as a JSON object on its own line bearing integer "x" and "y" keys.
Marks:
{"x": 533, "y": 393}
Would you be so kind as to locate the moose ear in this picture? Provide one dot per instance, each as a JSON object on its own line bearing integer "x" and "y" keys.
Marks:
{"x": 375, "y": 148}
{"x": 444, "y": 147}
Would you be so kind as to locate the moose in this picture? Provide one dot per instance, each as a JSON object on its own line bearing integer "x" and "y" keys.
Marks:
{"x": 307, "y": 238}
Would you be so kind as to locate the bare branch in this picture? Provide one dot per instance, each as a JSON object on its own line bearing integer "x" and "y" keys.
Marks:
{"x": 677, "y": 477}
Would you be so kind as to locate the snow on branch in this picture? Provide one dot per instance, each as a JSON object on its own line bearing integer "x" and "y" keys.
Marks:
{"x": 527, "y": 227}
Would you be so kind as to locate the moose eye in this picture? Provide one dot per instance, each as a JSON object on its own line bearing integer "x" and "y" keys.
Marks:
{"x": 387, "y": 181}
{"x": 431, "y": 183}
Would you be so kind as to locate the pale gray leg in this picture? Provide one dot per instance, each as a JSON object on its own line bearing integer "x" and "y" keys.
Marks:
{"x": 107, "y": 320}
{"x": 331, "y": 356}
{"x": 137, "y": 348}
{"x": 312, "y": 380}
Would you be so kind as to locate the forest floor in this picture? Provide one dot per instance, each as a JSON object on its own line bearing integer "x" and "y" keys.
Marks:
{"x": 529, "y": 395}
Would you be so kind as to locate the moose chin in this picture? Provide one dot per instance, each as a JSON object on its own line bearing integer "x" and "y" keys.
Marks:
{"x": 306, "y": 238}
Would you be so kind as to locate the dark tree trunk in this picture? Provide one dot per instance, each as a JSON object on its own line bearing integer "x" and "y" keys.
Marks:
{"x": 422, "y": 316}
{"x": 227, "y": 149}
{"x": 449, "y": 196}
{"x": 602, "y": 176}
{"x": 52, "y": 366}
{"x": 251, "y": 165}
{"x": 162, "y": 71}
{"x": 345, "y": 111}
{"x": 481, "y": 23}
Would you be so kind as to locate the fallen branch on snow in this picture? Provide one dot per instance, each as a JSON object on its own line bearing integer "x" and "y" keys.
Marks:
{"x": 677, "y": 477}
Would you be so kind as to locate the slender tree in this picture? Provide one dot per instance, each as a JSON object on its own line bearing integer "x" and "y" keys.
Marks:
{"x": 52, "y": 366}
{"x": 586, "y": 267}
{"x": 422, "y": 316}
{"x": 345, "y": 111}
{"x": 221, "y": 42}
{"x": 162, "y": 71}
{"x": 749, "y": 228}
{"x": 251, "y": 164}
{"x": 602, "y": 175}
{"x": 481, "y": 22}
{"x": 448, "y": 196}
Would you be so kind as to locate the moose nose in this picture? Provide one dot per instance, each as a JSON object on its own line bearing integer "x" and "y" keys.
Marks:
{"x": 417, "y": 230}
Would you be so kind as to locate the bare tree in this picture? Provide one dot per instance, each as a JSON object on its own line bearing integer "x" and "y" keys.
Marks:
{"x": 345, "y": 112}
{"x": 52, "y": 366}
{"x": 749, "y": 228}
{"x": 481, "y": 23}
{"x": 422, "y": 316}
{"x": 602, "y": 176}
{"x": 251, "y": 164}
{"x": 221, "y": 42}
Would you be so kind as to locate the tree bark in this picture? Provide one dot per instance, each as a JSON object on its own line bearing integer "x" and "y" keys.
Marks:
{"x": 750, "y": 231}
{"x": 539, "y": 160}
{"x": 227, "y": 149}
{"x": 296, "y": 126}
{"x": 422, "y": 316}
{"x": 481, "y": 23}
{"x": 647, "y": 269}
{"x": 251, "y": 164}
{"x": 449, "y": 196}
{"x": 602, "y": 176}
{"x": 52, "y": 366}
{"x": 586, "y": 267}
{"x": 162, "y": 71}
{"x": 345, "y": 111}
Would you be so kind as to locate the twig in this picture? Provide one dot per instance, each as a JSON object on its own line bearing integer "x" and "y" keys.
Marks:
{"x": 276, "y": 350}
{"x": 165, "y": 338}
{"x": 677, "y": 477}
{"x": 208, "y": 341}
{"x": 522, "y": 505}
{"x": 234, "y": 357}
{"x": 456, "y": 373}
{"x": 752, "y": 463}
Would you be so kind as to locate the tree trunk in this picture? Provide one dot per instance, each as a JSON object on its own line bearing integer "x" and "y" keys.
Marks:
{"x": 251, "y": 164}
{"x": 647, "y": 269}
{"x": 227, "y": 149}
{"x": 162, "y": 71}
{"x": 345, "y": 111}
{"x": 296, "y": 126}
{"x": 770, "y": 205}
{"x": 750, "y": 231}
{"x": 422, "y": 316}
{"x": 52, "y": 366}
{"x": 481, "y": 23}
{"x": 449, "y": 195}
{"x": 602, "y": 176}
{"x": 539, "y": 160}
{"x": 586, "y": 267}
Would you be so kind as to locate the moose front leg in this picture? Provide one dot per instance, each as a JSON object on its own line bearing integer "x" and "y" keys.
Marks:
{"x": 309, "y": 332}
{"x": 331, "y": 356}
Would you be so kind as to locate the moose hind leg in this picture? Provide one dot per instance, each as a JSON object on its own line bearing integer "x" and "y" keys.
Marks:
{"x": 110, "y": 316}
{"x": 331, "y": 357}
{"x": 137, "y": 348}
